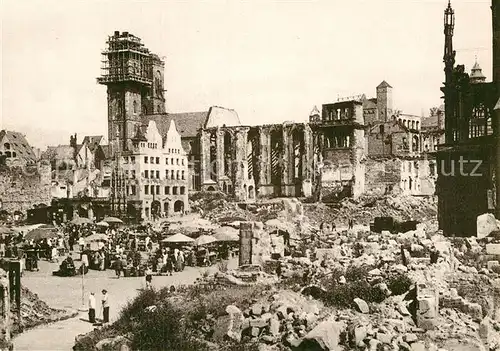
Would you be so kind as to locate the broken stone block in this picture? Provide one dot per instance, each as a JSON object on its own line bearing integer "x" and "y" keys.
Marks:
{"x": 416, "y": 248}
{"x": 359, "y": 334}
{"x": 491, "y": 264}
{"x": 232, "y": 309}
{"x": 258, "y": 323}
{"x": 403, "y": 309}
{"x": 373, "y": 344}
{"x": 292, "y": 340}
{"x": 399, "y": 268}
{"x": 474, "y": 310}
{"x": 484, "y": 328}
{"x": 427, "y": 307}
{"x": 420, "y": 234}
{"x": 486, "y": 223}
{"x": 384, "y": 338}
{"x": 362, "y": 305}
{"x": 418, "y": 346}
{"x": 274, "y": 326}
{"x": 493, "y": 249}
{"x": 325, "y": 335}
{"x": 410, "y": 338}
{"x": 257, "y": 309}
{"x": 311, "y": 318}
{"x": 266, "y": 316}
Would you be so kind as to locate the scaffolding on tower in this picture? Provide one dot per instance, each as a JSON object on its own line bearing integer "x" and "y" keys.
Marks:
{"x": 126, "y": 59}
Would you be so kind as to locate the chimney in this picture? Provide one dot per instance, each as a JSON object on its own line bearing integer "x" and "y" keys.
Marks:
{"x": 117, "y": 33}
{"x": 72, "y": 140}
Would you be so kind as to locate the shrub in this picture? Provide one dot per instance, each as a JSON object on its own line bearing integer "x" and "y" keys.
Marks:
{"x": 88, "y": 341}
{"x": 343, "y": 295}
{"x": 136, "y": 307}
{"x": 357, "y": 250}
{"x": 357, "y": 273}
{"x": 164, "y": 330}
{"x": 357, "y": 286}
{"x": 399, "y": 284}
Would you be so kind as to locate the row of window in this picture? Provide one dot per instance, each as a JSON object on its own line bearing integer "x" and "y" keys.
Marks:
{"x": 340, "y": 113}
{"x": 156, "y": 160}
{"x": 155, "y": 190}
{"x": 172, "y": 174}
{"x": 408, "y": 123}
{"x": 9, "y": 154}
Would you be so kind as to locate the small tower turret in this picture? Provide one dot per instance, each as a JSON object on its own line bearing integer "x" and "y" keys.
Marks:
{"x": 476, "y": 74}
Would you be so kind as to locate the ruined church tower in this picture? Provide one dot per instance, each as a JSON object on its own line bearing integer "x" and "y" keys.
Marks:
{"x": 384, "y": 101}
{"x": 134, "y": 79}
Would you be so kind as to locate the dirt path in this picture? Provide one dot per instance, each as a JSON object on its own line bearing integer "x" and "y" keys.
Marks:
{"x": 67, "y": 293}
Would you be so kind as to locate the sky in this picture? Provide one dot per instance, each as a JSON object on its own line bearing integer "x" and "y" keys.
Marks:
{"x": 271, "y": 61}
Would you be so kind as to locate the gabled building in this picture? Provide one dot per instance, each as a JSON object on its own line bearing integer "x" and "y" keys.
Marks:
{"x": 15, "y": 149}
{"x": 152, "y": 177}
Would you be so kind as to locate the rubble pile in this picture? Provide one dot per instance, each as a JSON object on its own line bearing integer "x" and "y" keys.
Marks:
{"x": 35, "y": 312}
{"x": 441, "y": 308}
{"x": 283, "y": 314}
{"x": 356, "y": 289}
{"x": 364, "y": 209}
{"x": 216, "y": 205}
{"x": 244, "y": 276}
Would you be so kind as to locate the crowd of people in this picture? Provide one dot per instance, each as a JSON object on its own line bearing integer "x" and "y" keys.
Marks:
{"x": 130, "y": 251}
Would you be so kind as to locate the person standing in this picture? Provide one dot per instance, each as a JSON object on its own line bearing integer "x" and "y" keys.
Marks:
{"x": 118, "y": 265}
{"x": 149, "y": 277}
{"x": 170, "y": 264}
{"x": 92, "y": 308}
{"x": 81, "y": 242}
{"x": 105, "y": 306}
{"x": 180, "y": 259}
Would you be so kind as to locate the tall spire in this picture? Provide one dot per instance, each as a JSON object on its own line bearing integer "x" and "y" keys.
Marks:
{"x": 449, "y": 53}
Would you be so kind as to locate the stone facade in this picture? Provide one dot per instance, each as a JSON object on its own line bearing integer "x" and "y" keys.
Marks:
{"x": 341, "y": 150}
{"x": 470, "y": 108}
{"x": 324, "y": 158}
{"x": 154, "y": 173}
{"x": 250, "y": 162}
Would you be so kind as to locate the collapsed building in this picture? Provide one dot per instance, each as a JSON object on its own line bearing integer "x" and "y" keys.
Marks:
{"x": 326, "y": 158}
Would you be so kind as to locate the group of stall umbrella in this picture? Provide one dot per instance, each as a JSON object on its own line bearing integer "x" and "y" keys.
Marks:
{"x": 210, "y": 233}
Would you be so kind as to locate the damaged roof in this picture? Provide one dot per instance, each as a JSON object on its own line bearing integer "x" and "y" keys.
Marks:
{"x": 18, "y": 144}
{"x": 188, "y": 123}
{"x": 93, "y": 141}
{"x": 60, "y": 152}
